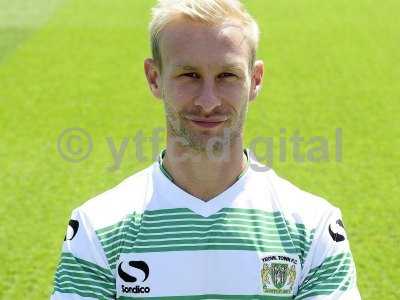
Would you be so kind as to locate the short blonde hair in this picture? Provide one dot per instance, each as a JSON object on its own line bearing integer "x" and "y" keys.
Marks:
{"x": 212, "y": 12}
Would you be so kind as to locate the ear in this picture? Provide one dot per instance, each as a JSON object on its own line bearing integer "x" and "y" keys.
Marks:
{"x": 256, "y": 79}
{"x": 153, "y": 76}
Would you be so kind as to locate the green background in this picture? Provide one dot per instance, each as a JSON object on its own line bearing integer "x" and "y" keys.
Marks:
{"x": 65, "y": 64}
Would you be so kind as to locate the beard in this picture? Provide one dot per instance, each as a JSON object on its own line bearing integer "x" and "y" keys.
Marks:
{"x": 205, "y": 141}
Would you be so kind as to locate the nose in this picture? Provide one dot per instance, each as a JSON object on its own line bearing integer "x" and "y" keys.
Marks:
{"x": 208, "y": 99}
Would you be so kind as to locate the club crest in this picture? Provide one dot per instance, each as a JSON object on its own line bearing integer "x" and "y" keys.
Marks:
{"x": 278, "y": 274}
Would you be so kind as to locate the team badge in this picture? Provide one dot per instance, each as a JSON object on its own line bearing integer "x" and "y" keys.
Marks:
{"x": 278, "y": 274}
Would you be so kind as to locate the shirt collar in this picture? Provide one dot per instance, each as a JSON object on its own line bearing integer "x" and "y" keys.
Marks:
{"x": 168, "y": 175}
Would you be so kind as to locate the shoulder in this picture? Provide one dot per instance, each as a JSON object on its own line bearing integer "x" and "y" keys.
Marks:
{"x": 286, "y": 195}
{"x": 297, "y": 204}
{"x": 313, "y": 216}
{"x": 295, "y": 198}
{"x": 113, "y": 205}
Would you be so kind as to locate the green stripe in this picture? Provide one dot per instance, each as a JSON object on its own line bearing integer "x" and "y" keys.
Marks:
{"x": 203, "y": 247}
{"x": 209, "y": 241}
{"x": 348, "y": 284}
{"x": 116, "y": 237}
{"x": 84, "y": 278}
{"x": 113, "y": 237}
{"x": 213, "y": 240}
{"x": 333, "y": 259}
{"x": 116, "y": 227}
{"x": 221, "y": 226}
{"x": 181, "y": 229}
{"x": 68, "y": 258}
{"x": 223, "y": 233}
{"x": 80, "y": 277}
{"x": 72, "y": 290}
{"x": 314, "y": 293}
{"x": 82, "y": 287}
{"x": 333, "y": 274}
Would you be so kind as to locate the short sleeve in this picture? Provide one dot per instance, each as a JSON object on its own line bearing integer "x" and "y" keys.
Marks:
{"x": 83, "y": 271}
{"x": 329, "y": 270}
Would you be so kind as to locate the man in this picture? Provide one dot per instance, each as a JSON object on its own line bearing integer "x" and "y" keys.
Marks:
{"x": 206, "y": 221}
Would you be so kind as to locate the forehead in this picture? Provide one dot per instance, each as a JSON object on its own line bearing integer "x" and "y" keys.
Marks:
{"x": 185, "y": 42}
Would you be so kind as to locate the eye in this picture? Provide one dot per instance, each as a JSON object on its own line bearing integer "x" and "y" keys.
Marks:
{"x": 227, "y": 75}
{"x": 191, "y": 75}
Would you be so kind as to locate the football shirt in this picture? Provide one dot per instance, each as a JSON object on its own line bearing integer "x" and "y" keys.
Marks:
{"x": 262, "y": 238}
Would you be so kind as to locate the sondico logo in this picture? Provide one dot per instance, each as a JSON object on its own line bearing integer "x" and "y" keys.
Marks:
{"x": 72, "y": 230}
{"x": 125, "y": 276}
{"x": 336, "y": 231}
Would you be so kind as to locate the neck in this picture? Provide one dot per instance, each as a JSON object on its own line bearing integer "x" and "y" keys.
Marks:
{"x": 203, "y": 174}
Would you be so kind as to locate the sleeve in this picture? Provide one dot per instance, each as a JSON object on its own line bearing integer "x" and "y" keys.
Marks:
{"x": 83, "y": 271}
{"x": 329, "y": 270}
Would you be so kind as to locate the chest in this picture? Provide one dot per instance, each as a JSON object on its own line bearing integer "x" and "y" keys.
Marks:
{"x": 233, "y": 255}
{"x": 214, "y": 274}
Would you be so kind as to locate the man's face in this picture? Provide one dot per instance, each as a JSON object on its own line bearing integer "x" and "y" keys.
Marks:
{"x": 205, "y": 81}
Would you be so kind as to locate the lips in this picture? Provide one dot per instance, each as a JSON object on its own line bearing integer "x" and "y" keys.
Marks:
{"x": 210, "y": 119}
{"x": 207, "y": 122}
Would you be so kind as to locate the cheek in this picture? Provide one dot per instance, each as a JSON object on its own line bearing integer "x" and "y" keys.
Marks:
{"x": 234, "y": 92}
{"x": 182, "y": 92}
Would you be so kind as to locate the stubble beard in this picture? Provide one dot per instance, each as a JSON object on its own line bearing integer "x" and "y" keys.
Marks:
{"x": 202, "y": 143}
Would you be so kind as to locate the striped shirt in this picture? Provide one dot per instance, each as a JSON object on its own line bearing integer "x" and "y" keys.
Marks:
{"x": 262, "y": 238}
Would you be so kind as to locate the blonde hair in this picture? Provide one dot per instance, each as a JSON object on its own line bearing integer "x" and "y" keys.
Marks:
{"x": 212, "y": 12}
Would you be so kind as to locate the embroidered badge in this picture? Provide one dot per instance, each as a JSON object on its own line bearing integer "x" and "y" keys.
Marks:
{"x": 278, "y": 274}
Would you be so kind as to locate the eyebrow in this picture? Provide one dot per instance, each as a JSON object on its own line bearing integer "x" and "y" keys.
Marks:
{"x": 236, "y": 67}
{"x": 185, "y": 67}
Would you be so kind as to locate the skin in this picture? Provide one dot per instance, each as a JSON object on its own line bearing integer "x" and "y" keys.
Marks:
{"x": 205, "y": 77}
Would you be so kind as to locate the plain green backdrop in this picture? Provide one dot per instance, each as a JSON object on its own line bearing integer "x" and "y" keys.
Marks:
{"x": 79, "y": 64}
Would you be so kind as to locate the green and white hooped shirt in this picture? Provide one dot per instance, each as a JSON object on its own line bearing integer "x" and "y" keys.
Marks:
{"x": 262, "y": 238}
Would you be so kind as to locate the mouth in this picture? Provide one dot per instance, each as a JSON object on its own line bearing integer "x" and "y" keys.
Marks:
{"x": 207, "y": 123}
